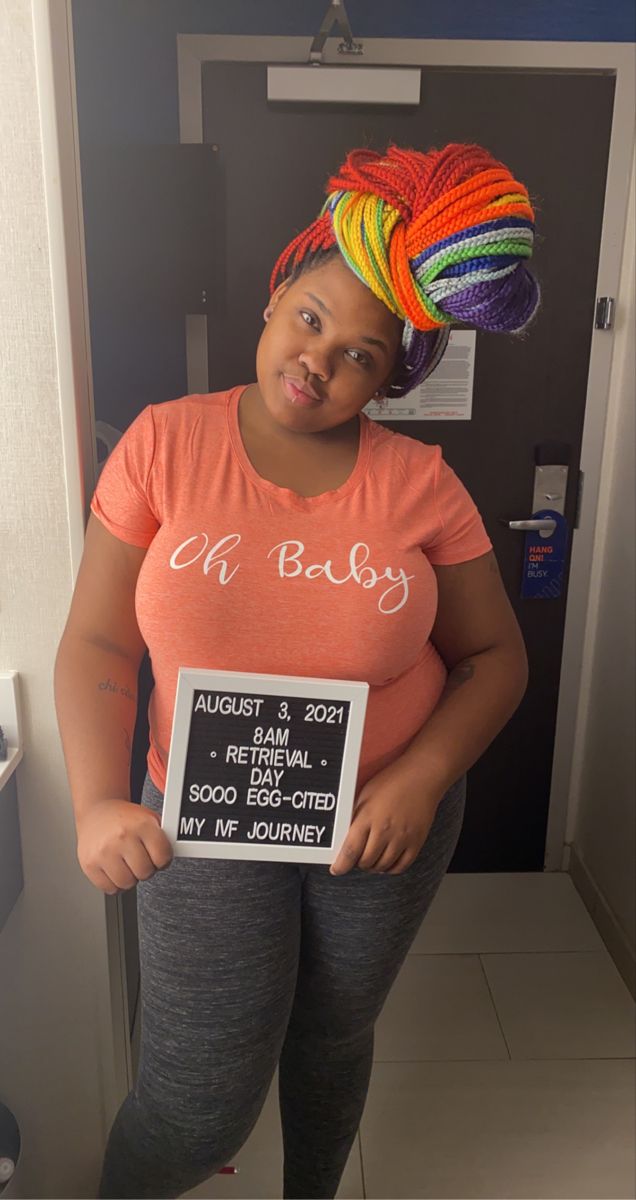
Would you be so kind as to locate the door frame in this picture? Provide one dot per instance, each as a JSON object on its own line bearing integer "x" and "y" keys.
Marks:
{"x": 55, "y": 76}
{"x": 193, "y": 50}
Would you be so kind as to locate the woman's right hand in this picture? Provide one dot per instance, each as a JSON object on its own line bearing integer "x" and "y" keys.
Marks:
{"x": 120, "y": 843}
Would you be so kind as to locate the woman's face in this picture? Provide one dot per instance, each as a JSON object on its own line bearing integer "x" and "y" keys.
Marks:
{"x": 328, "y": 347}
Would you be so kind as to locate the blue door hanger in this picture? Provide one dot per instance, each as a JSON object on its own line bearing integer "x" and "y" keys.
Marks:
{"x": 544, "y": 559}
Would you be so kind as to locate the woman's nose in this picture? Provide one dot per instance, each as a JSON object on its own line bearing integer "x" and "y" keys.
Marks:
{"x": 316, "y": 362}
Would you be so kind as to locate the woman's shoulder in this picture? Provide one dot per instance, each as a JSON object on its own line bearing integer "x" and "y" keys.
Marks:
{"x": 192, "y": 406}
{"x": 391, "y": 445}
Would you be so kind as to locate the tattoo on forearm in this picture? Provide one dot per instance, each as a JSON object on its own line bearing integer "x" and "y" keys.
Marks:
{"x": 108, "y": 685}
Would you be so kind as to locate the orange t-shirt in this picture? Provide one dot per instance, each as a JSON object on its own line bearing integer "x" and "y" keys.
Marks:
{"x": 244, "y": 575}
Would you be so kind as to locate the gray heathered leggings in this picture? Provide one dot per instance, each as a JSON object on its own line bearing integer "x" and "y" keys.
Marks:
{"x": 245, "y": 965}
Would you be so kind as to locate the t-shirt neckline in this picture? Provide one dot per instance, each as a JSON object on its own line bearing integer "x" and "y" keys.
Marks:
{"x": 287, "y": 495}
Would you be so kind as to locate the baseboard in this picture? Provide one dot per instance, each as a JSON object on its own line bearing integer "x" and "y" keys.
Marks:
{"x": 614, "y": 937}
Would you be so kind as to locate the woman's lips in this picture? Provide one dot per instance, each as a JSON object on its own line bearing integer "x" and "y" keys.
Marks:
{"x": 296, "y": 396}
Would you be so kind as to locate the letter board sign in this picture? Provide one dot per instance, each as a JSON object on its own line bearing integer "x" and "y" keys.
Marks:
{"x": 262, "y": 766}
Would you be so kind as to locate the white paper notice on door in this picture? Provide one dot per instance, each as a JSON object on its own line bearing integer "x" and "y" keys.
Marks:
{"x": 446, "y": 396}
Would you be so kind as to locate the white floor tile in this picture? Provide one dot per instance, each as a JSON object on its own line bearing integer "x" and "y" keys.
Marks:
{"x": 493, "y": 912}
{"x": 260, "y": 1163}
{"x": 562, "y": 1005}
{"x": 546, "y": 1130}
{"x": 439, "y": 1008}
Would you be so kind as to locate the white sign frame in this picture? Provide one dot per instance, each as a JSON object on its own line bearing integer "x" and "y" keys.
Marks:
{"x": 191, "y": 680}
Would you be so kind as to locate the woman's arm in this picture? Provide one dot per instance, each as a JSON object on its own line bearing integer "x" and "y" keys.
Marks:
{"x": 478, "y": 637}
{"x": 96, "y": 669}
{"x": 96, "y": 705}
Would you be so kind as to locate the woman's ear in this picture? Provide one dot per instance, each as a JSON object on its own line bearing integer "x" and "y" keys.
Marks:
{"x": 393, "y": 373}
{"x": 383, "y": 391}
{"x": 274, "y": 298}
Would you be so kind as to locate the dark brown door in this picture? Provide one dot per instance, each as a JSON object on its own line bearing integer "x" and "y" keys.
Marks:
{"x": 552, "y": 130}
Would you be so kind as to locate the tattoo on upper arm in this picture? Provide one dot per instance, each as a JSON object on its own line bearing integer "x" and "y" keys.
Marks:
{"x": 107, "y": 685}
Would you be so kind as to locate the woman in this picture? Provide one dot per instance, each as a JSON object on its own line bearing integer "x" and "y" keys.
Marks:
{"x": 275, "y": 528}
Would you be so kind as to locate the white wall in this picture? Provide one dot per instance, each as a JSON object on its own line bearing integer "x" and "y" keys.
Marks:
{"x": 56, "y": 1069}
{"x": 603, "y": 822}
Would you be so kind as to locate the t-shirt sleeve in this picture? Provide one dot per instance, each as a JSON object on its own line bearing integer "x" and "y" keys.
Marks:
{"x": 125, "y": 498}
{"x": 461, "y": 534}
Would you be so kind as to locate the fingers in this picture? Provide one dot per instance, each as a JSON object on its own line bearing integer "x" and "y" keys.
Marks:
{"x": 137, "y": 858}
{"x": 379, "y": 855}
{"x": 122, "y": 870}
{"x": 118, "y": 872}
{"x": 351, "y": 849}
{"x": 158, "y": 847}
{"x": 393, "y": 861}
{"x": 101, "y": 880}
{"x": 368, "y": 850}
{"x": 133, "y": 856}
{"x": 385, "y": 860}
{"x": 375, "y": 850}
{"x": 402, "y": 863}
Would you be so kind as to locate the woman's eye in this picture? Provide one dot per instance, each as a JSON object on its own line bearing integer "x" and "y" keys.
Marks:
{"x": 310, "y": 319}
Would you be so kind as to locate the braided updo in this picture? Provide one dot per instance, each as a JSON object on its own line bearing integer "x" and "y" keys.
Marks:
{"x": 440, "y": 238}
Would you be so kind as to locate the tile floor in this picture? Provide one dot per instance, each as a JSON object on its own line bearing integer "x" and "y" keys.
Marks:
{"x": 504, "y": 1060}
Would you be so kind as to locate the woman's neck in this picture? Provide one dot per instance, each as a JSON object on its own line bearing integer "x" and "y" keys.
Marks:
{"x": 254, "y": 416}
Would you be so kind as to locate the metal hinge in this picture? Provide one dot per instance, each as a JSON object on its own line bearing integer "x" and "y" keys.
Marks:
{"x": 579, "y": 501}
{"x": 336, "y": 15}
{"x": 604, "y": 318}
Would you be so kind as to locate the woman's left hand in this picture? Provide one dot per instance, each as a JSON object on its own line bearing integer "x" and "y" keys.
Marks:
{"x": 392, "y": 818}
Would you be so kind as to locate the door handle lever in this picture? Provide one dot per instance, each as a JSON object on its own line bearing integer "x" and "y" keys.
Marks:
{"x": 540, "y": 525}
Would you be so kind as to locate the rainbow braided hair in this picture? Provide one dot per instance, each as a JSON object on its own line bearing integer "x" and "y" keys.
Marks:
{"x": 439, "y": 238}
